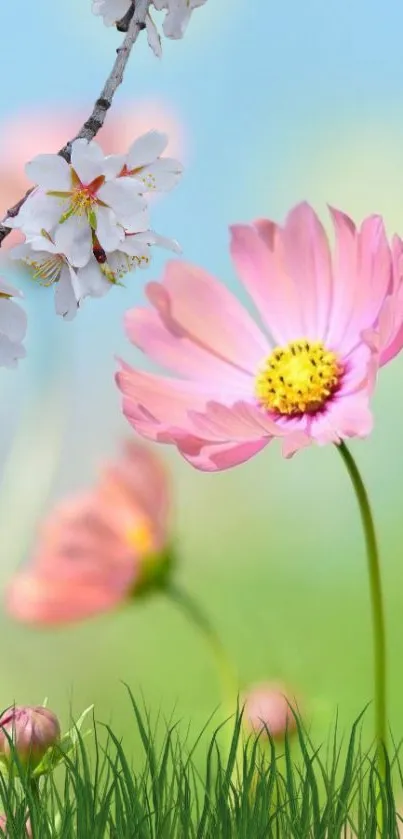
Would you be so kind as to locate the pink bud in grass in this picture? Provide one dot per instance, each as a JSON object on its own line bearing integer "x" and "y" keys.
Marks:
{"x": 31, "y": 730}
{"x": 267, "y": 709}
{"x": 3, "y": 826}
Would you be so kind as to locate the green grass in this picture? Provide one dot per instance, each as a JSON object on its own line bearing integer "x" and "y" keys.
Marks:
{"x": 248, "y": 788}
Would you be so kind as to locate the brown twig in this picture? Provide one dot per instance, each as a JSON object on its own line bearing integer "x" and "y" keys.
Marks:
{"x": 97, "y": 118}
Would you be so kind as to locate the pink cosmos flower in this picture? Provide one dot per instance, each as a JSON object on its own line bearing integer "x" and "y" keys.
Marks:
{"x": 329, "y": 321}
{"x": 267, "y": 709}
{"x": 97, "y": 548}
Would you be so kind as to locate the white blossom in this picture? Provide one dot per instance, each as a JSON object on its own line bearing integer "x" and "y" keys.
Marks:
{"x": 13, "y": 326}
{"x": 144, "y": 164}
{"x": 178, "y": 14}
{"x": 76, "y": 199}
{"x": 52, "y": 268}
{"x": 87, "y": 223}
{"x": 111, "y": 10}
{"x": 73, "y": 285}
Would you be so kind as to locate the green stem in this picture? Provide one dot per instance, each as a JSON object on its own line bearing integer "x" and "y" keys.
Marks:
{"x": 226, "y": 671}
{"x": 378, "y": 619}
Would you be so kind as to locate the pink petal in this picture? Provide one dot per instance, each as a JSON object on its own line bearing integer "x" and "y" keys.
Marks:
{"x": 362, "y": 274}
{"x": 349, "y": 416}
{"x": 307, "y": 262}
{"x": 263, "y": 272}
{"x": 82, "y": 563}
{"x": 358, "y": 373}
{"x": 390, "y": 326}
{"x": 179, "y": 352}
{"x": 295, "y": 442}
{"x": 215, "y": 458}
{"x": 141, "y": 478}
{"x": 193, "y": 305}
{"x": 169, "y": 400}
{"x": 39, "y": 599}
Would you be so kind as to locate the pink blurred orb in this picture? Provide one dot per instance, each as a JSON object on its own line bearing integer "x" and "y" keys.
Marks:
{"x": 267, "y": 709}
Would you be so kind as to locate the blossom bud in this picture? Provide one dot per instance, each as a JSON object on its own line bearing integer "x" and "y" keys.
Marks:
{"x": 267, "y": 710}
{"x": 31, "y": 730}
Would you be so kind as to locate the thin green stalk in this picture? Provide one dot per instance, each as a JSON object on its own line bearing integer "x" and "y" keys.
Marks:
{"x": 378, "y": 619}
{"x": 226, "y": 671}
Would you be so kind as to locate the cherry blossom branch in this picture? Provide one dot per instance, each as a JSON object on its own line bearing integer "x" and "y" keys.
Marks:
{"x": 95, "y": 121}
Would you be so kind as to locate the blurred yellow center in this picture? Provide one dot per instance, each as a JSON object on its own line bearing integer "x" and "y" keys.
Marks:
{"x": 298, "y": 378}
{"x": 141, "y": 538}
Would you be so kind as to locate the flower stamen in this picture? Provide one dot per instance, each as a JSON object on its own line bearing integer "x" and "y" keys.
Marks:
{"x": 298, "y": 378}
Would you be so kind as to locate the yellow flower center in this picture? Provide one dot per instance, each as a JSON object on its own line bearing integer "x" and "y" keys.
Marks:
{"x": 140, "y": 537}
{"x": 298, "y": 378}
{"x": 82, "y": 201}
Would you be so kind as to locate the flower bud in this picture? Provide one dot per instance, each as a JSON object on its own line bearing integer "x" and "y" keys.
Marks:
{"x": 3, "y": 826}
{"x": 267, "y": 710}
{"x": 32, "y": 731}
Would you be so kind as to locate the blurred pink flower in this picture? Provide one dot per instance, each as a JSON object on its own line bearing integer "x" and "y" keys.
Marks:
{"x": 29, "y": 134}
{"x": 33, "y": 730}
{"x": 96, "y": 549}
{"x": 267, "y": 708}
{"x": 332, "y": 321}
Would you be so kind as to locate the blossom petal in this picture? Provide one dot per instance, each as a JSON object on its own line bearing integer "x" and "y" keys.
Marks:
{"x": 74, "y": 239}
{"x": 153, "y": 37}
{"x": 92, "y": 282}
{"x": 113, "y": 165}
{"x": 66, "y": 299}
{"x": 13, "y": 320}
{"x": 149, "y": 237}
{"x": 122, "y": 195}
{"x": 146, "y": 149}
{"x": 50, "y": 171}
{"x": 109, "y": 233}
{"x": 87, "y": 160}
{"x": 111, "y": 10}
{"x": 160, "y": 176}
{"x": 10, "y": 352}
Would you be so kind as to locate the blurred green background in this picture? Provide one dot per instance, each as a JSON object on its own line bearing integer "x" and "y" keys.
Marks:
{"x": 276, "y": 102}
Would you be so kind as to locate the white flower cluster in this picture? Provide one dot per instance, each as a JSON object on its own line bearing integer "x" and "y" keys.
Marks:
{"x": 86, "y": 223}
{"x": 13, "y": 326}
{"x": 178, "y": 13}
